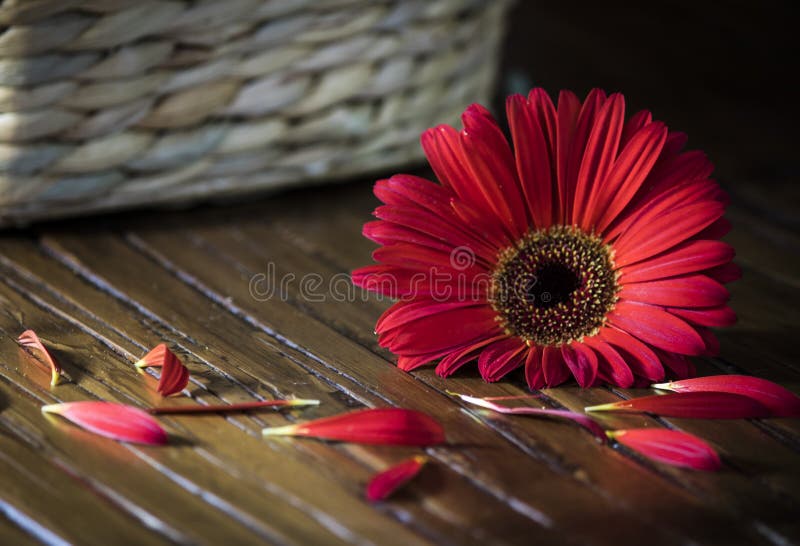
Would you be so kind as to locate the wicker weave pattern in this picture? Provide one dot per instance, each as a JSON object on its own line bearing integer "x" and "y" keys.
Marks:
{"x": 112, "y": 103}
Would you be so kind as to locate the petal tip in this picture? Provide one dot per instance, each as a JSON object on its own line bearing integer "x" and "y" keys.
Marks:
{"x": 287, "y": 430}
{"x": 52, "y": 408}
{"x": 294, "y": 402}
{"x": 600, "y": 407}
{"x": 663, "y": 386}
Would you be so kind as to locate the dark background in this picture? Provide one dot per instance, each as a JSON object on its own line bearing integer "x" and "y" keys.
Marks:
{"x": 723, "y": 72}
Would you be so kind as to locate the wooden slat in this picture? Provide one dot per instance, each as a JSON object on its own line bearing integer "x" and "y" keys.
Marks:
{"x": 245, "y": 368}
{"x": 741, "y": 438}
{"x": 240, "y": 497}
{"x": 62, "y": 503}
{"x": 20, "y": 529}
{"x": 238, "y": 348}
{"x": 498, "y": 475}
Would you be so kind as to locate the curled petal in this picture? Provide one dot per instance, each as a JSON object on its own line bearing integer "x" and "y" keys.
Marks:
{"x": 116, "y": 421}
{"x": 701, "y": 405}
{"x": 383, "y": 484}
{"x": 391, "y": 426}
{"x": 781, "y": 402}
{"x": 174, "y": 375}
{"x": 155, "y": 357}
{"x": 31, "y": 342}
{"x": 583, "y": 420}
{"x": 670, "y": 447}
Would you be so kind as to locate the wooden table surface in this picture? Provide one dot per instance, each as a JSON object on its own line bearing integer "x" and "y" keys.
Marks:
{"x": 101, "y": 292}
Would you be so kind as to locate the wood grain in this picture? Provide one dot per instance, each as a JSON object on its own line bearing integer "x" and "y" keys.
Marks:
{"x": 101, "y": 292}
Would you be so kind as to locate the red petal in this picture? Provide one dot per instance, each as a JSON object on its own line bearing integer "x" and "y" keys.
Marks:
{"x": 681, "y": 366}
{"x": 553, "y": 366}
{"x": 652, "y": 205}
{"x": 688, "y": 257}
{"x": 635, "y": 123}
{"x": 491, "y": 162}
{"x": 576, "y": 147}
{"x": 387, "y": 233}
{"x": 627, "y": 176}
{"x": 461, "y": 262}
{"x": 411, "y": 363}
{"x": 601, "y": 150}
{"x": 443, "y": 330}
{"x": 385, "y": 483}
{"x": 453, "y": 231}
{"x": 155, "y": 357}
{"x": 567, "y": 118}
{"x": 657, "y": 327}
{"x": 780, "y": 401}
{"x": 117, "y": 421}
{"x": 229, "y": 408}
{"x": 670, "y": 447}
{"x": 396, "y": 282}
{"x": 533, "y": 155}
{"x": 671, "y": 171}
{"x": 582, "y": 362}
{"x": 611, "y": 366}
{"x": 405, "y": 189}
{"x": 30, "y": 340}
{"x": 392, "y": 426}
{"x": 174, "y": 375}
{"x": 684, "y": 291}
{"x": 443, "y": 150}
{"x": 460, "y": 356}
{"x": 534, "y": 373}
{"x": 652, "y": 234}
{"x": 583, "y": 420}
{"x": 641, "y": 358}
{"x": 501, "y": 358}
{"x": 700, "y": 405}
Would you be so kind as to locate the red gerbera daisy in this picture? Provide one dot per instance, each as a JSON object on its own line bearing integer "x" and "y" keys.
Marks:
{"x": 589, "y": 250}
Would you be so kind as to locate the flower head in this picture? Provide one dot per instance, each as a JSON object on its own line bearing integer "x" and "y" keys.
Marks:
{"x": 591, "y": 249}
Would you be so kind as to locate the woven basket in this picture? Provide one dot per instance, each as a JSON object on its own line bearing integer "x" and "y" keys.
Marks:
{"x": 106, "y": 104}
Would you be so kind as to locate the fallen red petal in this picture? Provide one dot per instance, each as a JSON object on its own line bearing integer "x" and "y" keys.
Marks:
{"x": 155, "y": 358}
{"x": 174, "y": 375}
{"x": 583, "y": 420}
{"x": 391, "y": 426}
{"x": 781, "y": 402}
{"x": 670, "y": 447}
{"x": 700, "y": 405}
{"x": 29, "y": 340}
{"x": 230, "y": 408}
{"x": 116, "y": 421}
{"x": 383, "y": 484}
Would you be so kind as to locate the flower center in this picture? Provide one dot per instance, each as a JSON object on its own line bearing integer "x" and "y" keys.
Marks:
{"x": 554, "y": 286}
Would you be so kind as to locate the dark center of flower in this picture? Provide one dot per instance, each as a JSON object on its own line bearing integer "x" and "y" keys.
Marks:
{"x": 554, "y": 283}
{"x": 555, "y": 286}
